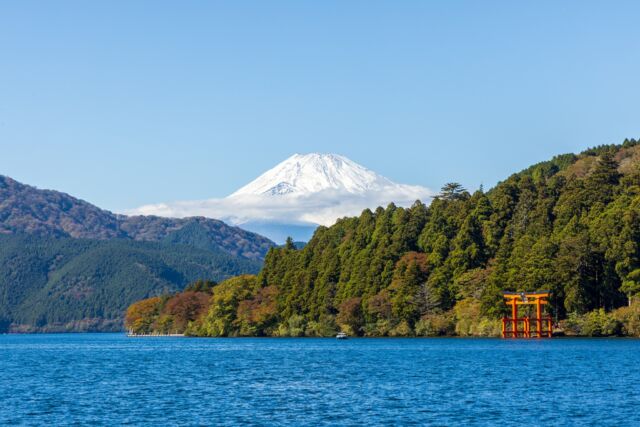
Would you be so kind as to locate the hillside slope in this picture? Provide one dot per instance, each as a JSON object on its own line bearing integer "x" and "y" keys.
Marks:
{"x": 570, "y": 225}
{"x": 26, "y": 209}
{"x": 68, "y": 265}
{"x": 58, "y": 284}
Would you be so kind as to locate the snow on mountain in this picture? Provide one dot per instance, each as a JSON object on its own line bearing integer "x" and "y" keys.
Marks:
{"x": 312, "y": 173}
{"x": 298, "y": 194}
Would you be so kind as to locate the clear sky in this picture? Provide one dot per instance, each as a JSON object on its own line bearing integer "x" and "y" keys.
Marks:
{"x": 125, "y": 103}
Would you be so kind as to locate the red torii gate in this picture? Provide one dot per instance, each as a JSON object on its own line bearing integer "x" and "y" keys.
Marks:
{"x": 510, "y": 325}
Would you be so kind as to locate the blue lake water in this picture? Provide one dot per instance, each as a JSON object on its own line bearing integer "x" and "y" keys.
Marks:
{"x": 108, "y": 379}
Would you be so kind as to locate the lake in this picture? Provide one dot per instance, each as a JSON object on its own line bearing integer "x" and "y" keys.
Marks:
{"x": 108, "y": 379}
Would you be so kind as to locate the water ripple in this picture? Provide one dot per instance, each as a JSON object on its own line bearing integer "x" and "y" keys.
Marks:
{"x": 108, "y": 379}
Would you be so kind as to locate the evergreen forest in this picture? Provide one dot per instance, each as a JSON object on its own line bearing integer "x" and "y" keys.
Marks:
{"x": 570, "y": 225}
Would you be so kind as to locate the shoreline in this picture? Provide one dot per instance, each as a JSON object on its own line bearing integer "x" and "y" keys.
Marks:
{"x": 128, "y": 335}
{"x": 131, "y": 335}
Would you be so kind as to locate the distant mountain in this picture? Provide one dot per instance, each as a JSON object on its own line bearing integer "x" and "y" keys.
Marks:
{"x": 26, "y": 209}
{"x": 297, "y": 195}
{"x": 66, "y": 264}
{"x": 303, "y": 174}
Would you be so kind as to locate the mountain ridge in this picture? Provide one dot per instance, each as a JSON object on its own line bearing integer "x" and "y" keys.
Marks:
{"x": 27, "y": 209}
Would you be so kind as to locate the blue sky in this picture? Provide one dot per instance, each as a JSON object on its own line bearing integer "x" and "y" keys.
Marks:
{"x": 129, "y": 103}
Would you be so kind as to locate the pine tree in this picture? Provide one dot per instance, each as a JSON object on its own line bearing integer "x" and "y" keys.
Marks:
{"x": 453, "y": 191}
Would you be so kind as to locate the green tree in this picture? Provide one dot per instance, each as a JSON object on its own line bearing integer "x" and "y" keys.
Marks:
{"x": 289, "y": 244}
{"x": 453, "y": 191}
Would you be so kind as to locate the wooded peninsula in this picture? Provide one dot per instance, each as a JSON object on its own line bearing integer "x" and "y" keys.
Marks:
{"x": 570, "y": 225}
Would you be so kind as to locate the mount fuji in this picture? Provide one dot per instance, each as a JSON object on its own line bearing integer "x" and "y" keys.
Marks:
{"x": 304, "y": 174}
{"x": 297, "y": 195}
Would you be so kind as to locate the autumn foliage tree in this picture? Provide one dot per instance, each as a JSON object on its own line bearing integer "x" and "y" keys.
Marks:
{"x": 186, "y": 307}
{"x": 350, "y": 317}
{"x": 167, "y": 314}
{"x": 141, "y": 315}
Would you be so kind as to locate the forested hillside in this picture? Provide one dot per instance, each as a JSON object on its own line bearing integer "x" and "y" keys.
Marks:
{"x": 49, "y": 284}
{"x": 66, "y": 264}
{"x": 570, "y": 225}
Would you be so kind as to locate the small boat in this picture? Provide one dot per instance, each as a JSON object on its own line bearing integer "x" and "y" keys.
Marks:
{"x": 342, "y": 336}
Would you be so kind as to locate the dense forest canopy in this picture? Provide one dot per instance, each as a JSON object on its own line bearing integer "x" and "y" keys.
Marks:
{"x": 570, "y": 225}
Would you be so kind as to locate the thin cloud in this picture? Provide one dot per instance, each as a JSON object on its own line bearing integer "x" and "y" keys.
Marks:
{"x": 320, "y": 208}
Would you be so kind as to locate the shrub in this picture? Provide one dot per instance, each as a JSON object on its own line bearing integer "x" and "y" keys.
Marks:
{"x": 292, "y": 327}
{"x": 467, "y": 314}
{"x": 403, "y": 329}
{"x": 325, "y": 326}
{"x": 470, "y": 322}
{"x": 571, "y": 325}
{"x": 379, "y": 328}
{"x": 435, "y": 325}
{"x": 596, "y": 323}
{"x": 629, "y": 318}
{"x": 599, "y": 323}
{"x": 488, "y": 327}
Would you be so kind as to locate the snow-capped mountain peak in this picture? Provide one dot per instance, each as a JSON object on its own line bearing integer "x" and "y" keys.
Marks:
{"x": 298, "y": 194}
{"x": 303, "y": 174}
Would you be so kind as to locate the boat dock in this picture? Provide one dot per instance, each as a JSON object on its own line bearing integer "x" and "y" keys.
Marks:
{"x": 134, "y": 335}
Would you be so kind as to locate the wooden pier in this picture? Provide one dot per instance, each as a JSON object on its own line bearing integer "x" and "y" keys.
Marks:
{"x": 132, "y": 334}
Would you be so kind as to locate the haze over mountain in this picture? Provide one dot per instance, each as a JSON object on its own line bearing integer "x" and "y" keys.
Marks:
{"x": 297, "y": 195}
